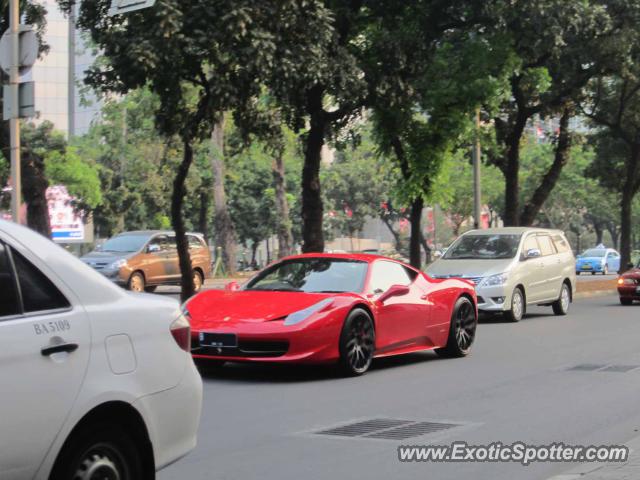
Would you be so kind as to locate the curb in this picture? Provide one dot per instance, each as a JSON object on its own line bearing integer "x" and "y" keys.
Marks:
{"x": 595, "y": 293}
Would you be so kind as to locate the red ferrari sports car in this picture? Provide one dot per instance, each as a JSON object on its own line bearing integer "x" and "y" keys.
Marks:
{"x": 333, "y": 308}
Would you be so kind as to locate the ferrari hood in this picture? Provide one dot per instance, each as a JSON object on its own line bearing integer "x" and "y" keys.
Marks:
{"x": 217, "y": 306}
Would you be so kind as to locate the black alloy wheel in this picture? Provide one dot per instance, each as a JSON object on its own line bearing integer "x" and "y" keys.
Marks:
{"x": 357, "y": 343}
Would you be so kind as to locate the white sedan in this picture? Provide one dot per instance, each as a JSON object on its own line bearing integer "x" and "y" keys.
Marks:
{"x": 95, "y": 382}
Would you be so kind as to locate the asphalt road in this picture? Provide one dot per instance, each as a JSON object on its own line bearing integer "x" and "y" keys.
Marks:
{"x": 258, "y": 422}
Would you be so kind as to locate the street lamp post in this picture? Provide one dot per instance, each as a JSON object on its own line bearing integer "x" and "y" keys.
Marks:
{"x": 14, "y": 122}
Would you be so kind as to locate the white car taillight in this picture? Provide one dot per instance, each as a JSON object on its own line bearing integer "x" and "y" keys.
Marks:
{"x": 181, "y": 331}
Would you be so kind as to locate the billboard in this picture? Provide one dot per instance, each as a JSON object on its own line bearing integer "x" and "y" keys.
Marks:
{"x": 67, "y": 224}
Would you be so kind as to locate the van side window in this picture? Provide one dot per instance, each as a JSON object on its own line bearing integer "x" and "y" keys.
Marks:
{"x": 194, "y": 242}
{"x": 530, "y": 243}
{"x": 561, "y": 244}
{"x": 38, "y": 292}
{"x": 546, "y": 246}
{"x": 9, "y": 304}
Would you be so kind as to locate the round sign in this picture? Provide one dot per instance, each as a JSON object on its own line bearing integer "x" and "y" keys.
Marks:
{"x": 28, "y": 49}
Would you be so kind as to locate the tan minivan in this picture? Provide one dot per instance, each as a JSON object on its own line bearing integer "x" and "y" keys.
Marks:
{"x": 513, "y": 267}
{"x": 140, "y": 261}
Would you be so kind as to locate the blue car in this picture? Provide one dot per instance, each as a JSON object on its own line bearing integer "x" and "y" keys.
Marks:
{"x": 598, "y": 260}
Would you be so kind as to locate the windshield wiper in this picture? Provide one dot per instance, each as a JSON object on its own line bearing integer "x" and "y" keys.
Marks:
{"x": 329, "y": 291}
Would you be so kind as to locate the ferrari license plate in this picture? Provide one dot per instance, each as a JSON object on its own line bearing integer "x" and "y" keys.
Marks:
{"x": 218, "y": 339}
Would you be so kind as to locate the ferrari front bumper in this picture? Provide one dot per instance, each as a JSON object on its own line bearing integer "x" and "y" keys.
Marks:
{"x": 271, "y": 342}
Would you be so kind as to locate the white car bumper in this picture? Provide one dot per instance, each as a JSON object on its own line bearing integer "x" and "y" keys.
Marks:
{"x": 172, "y": 417}
{"x": 493, "y": 299}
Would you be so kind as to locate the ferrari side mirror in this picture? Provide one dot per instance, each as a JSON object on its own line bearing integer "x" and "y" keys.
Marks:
{"x": 393, "y": 291}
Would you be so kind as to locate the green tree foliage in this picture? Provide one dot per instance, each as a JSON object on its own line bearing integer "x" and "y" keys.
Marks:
{"x": 614, "y": 110}
{"x": 455, "y": 187}
{"x": 78, "y": 175}
{"x": 355, "y": 185}
{"x": 560, "y": 46}
{"x": 201, "y": 59}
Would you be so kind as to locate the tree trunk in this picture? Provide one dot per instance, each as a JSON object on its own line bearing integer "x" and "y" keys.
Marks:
{"x": 415, "y": 258}
{"x": 177, "y": 199}
{"x": 312, "y": 209}
{"x": 625, "y": 226}
{"x": 511, "y": 172}
{"x": 225, "y": 233}
{"x": 34, "y": 191}
{"x": 563, "y": 146}
{"x": 597, "y": 227}
{"x": 425, "y": 247}
{"x": 396, "y": 235}
{"x": 203, "y": 214}
{"x": 266, "y": 242}
{"x": 285, "y": 238}
{"x": 254, "y": 249}
{"x": 612, "y": 228}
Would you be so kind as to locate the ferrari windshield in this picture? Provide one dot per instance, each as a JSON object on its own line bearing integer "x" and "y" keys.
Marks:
{"x": 315, "y": 275}
{"x": 479, "y": 247}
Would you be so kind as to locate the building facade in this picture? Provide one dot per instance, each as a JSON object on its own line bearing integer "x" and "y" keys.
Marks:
{"x": 59, "y": 96}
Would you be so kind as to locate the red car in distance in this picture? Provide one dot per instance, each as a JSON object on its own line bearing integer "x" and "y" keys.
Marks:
{"x": 333, "y": 308}
{"x": 629, "y": 285}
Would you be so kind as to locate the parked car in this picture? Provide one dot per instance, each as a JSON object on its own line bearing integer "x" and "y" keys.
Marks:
{"x": 512, "y": 268}
{"x": 598, "y": 260}
{"x": 629, "y": 285}
{"x": 140, "y": 261}
{"x": 333, "y": 308}
{"x": 96, "y": 382}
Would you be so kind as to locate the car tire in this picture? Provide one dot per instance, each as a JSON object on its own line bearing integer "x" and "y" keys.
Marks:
{"x": 107, "y": 449}
{"x": 626, "y": 301}
{"x": 518, "y": 306}
{"x": 593, "y": 273}
{"x": 561, "y": 306}
{"x": 198, "y": 281}
{"x": 357, "y": 343}
{"x": 462, "y": 330}
{"x": 136, "y": 282}
{"x": 150, "y": 288}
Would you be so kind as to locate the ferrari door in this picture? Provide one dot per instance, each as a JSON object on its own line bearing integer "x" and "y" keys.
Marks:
{"x": 402, "y": 319}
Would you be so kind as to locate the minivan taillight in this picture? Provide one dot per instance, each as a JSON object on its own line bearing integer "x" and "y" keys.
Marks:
{"x": 181, "y": 331}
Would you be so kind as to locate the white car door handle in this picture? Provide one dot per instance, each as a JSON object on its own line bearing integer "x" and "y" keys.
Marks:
{"x": 64, "y": 347}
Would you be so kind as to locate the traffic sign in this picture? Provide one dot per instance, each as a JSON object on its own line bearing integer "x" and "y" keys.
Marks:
{"x": 126, "y": 6}
{"x": 26, "y": 100}
{"x": 28, "y": 48}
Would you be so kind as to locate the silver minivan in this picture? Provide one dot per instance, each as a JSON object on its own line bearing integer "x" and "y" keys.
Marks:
{"x": 513, "y": 267}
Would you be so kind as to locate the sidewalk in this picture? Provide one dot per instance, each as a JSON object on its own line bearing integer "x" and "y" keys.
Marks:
{"x": 608, "y": 471}
{"x": 596, "y": 288}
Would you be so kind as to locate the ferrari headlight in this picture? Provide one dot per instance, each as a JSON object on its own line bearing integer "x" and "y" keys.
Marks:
{"x": 626, "y": 281}
{"x": 301, "y": 315}
{"x": 495, "y": 280}
{"x": 118, "y": 264}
